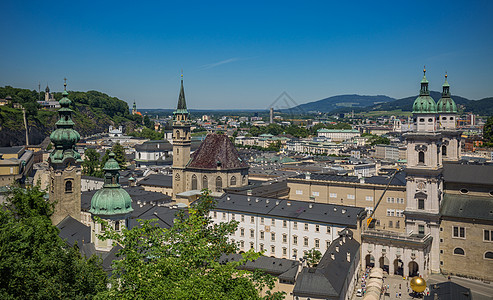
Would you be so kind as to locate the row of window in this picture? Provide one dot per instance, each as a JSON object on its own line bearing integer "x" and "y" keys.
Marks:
{"x": 273, "y": 247}
{"x": 460, "y": 251}
{"x": 284, "y": 237}
{"x": 272, "y": 222}
{"x": 205, "y": 182}
{"x": 395, "y": 212}
{"x": 460, "y": 232}
{"x": 395, "y": 200}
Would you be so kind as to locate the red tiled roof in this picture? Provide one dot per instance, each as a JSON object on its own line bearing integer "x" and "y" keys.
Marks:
{"x": 217, "y": 150}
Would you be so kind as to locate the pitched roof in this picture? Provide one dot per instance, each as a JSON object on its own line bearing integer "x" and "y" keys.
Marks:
{"x": 327, "y": 279}
{"x": 271, "y": 265}
{"x": 398, "y": 180}
{"x": 73, "y": 231}
{"x": 468, "y": 173}
{"x": 217, "y": 151}
{"x": 467, "y": 207}
{"x": 448, "y": 290}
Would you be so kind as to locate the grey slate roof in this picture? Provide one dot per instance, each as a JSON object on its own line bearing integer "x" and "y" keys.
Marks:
{"x": 302, "y": 210}
{"x": 468, "y": 173}
{"x": 327, "y": 279}
{"x": 467, "y": 207}
{"x": 163, "y": 214}
{"x": 398, "y": 180}
{"x": 73, "y": 231}
{"x": 160, "y": 180}
{"x": 285, "y": 268}
{"x": 154, "y": 146}
{"x": 11, "y": 150}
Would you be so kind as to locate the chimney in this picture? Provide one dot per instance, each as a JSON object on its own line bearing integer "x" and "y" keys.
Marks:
{"x": 337, "y": 248}
{"x": 249, "y": 192}
{"x": 332, "y": 256}
{"x": 307, "y": 176}
{"x": 349, "y": 257}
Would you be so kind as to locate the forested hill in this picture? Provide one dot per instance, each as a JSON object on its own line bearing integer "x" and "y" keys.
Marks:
{"x": 93, "y": 113}
{"x": 342, "y": 101}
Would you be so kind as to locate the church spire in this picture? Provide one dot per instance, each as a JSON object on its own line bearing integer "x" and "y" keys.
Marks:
{"x": 424, "y": 84}
{"x": 182, "y": 104}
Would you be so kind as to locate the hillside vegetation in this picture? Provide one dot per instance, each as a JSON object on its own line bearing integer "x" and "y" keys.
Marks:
{"x": 94, "y": 112}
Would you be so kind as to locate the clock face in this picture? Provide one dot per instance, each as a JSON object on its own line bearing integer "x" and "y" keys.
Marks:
{"x": 421, "y": 185}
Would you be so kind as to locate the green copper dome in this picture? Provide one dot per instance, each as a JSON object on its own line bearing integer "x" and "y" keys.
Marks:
{"x": 446, "y": 104}
{"x": 111, "y": 199}
{"x": 424, "y": 104}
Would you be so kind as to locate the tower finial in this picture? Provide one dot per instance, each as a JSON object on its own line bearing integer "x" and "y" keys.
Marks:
{"x": 424, "y": 70}
{"x": 65, "y": 84}
{"x": 181, "y": 75}
{"x": 446, "y": 75}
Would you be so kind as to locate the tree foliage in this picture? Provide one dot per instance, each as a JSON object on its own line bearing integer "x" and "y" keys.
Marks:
{"x": 147, "y": 133}
{"x": 182, "y": 262}
{"x": 488, "y": 130}
{"x": 148, "y": 123}
{"x": 35, "y": 263}
{"x": 313, "y": 257}
{"x": 91, "y": 163}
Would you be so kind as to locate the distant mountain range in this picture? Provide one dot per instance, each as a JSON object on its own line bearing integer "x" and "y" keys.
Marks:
{"x": 358, "y": 103}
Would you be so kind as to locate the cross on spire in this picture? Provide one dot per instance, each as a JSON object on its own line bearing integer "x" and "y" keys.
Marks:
{"x": 65, "y": 84}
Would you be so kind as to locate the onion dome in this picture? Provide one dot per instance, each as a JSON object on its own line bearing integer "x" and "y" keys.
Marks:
{"x": 446, "y": 104}
{"x": 111, "y": 199}
{"x": 65, "y": 137}
{"x": 424, "y": 104}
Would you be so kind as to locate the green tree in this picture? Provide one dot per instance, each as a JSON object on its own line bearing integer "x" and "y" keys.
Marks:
{"x": 183, "y": 262}
{"x": 90, "y": 165}
{"x": 148, "y": 123}
{"x": 119, "y": 155}
{"x": 35, "y": 263}
{"x": 313, "y": 257}
{"x": 276, "y": 146}
{"x": 488, "y": 130}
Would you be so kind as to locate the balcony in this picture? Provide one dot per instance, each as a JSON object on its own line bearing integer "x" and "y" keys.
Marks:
{"x": 394, "y": 237}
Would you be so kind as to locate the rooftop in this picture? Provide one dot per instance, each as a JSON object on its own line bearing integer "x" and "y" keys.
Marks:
{"x": 216, "y": 151}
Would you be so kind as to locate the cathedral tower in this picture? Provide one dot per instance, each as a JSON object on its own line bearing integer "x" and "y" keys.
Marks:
{"x": 111, "y": 203}
{"x": 134, "y": 109}
{"x": 181, "y": 143}
{"x": 424, "y": 181}
{"x": 65, "y": 170}
{"x": 447, "y": 120}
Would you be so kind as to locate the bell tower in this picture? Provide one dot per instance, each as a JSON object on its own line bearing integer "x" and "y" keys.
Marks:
{"x": 424, "y": 179}
{"x": 447, "y": 121}
{"x": 64, "y": 161}
{"x": 181, "y": 143}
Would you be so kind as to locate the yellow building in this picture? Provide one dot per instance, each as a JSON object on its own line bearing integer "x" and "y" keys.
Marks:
{"x": 16, "y": 164}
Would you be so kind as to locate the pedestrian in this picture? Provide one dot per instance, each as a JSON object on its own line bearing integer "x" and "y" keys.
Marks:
{"x": 396, "y": 295}
{"x": 400, "y": 295}
{"x": 399, "y": 286}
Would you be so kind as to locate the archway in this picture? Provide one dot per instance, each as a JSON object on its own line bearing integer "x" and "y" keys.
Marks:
{"x": 398, "y": 267}
{"x": 413, "y": 269}
{"x": 384, "y": 263}
{"x": 370, "y": 261}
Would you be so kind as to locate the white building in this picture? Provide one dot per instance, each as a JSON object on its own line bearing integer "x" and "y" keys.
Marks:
{"x": 285, "y": 228}
{"x": 338, "y": 135}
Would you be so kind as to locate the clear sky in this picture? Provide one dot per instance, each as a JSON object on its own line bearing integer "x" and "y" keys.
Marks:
{"x": 245, "y": 54}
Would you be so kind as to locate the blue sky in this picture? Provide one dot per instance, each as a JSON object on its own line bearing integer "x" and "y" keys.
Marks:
{"x": 245, "y": 54}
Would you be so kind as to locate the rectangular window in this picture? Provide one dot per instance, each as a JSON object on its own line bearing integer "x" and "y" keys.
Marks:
{"x": 421, "y": 229}
{"x": 242, "y": 231}
{"x": 252, "y": 233}
{"x": 261, "y": 247}
{"x": 273, "y": 222}
{"x": 315, "y": 194}
{"x": 388, "y": 199}
{"x": 459, "y": 232}
{"x": 295, "y": 225}
{"x": 488, "y": 235}
{"x": 306, "y": 227}
{"x": 215, "y": 215}
{"x": 327, "y": 244}
{"x": 332, "y": 195}
{"x": 224, "y": 216}
{"x": 317, "y": 228}
{"x": 299, "y": 192}
{"x": 305, "y": 241}
{"x": 284, "y": 251}
{"x": 233, "y": 217}
{"x": 328, "y": 229}
{"x": 243, "y": 218}
{"x": 261, "y": 235}
{"x": 295, "y": 240}
{"x": 252, "y": 219}
{"x": 421, "y": 203}
{"x": 317, "y": 243}
{"x": 392, "y": 200}
{"x": 273, "y": 236}
{"x": 262, "y": 220}
{"x": 284, "y": 238}
{"x": 295, "y": 253}
{"x": 272, "y": 249}
{"x": 284, "y": 223}
{"x": 369, "y": 198}
{"x": 349, "y": 196}
{"x": 391, "y": 224}
{"x": 369, "y": 210}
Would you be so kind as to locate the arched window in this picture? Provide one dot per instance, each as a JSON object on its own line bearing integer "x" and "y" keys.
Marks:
{"x": 177, "y": 177}
{"x": 219, "y": 184}
{"x": 459, "y": 251}
{"x": 488, "y": 255}
{"x": 177, "y": 134}
{"x": 444, "y": 150}
{"x": 205, "y": 184}
{"x": 232, "y": 181}
{"x": 421, "y": 157}
{"x": 244, "y": 180}
{"x": 68, "y": 186}
{"x": 194, "y": 182}
{"x": 117, "y": 225}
